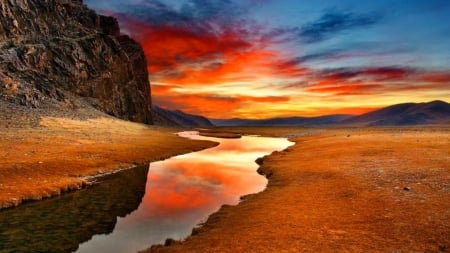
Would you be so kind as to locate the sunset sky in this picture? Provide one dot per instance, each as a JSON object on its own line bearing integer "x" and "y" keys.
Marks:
{"x": 267, "y": 58}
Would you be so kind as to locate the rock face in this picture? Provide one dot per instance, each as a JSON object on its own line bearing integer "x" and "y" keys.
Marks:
{"x": 50, "y": 48}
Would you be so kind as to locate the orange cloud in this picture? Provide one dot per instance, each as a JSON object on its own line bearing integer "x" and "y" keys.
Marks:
{"x": 180, "y": 55}
{"x": 210, "y": 105}
{"x": 357, "y": 110}
{"x": 160, "y": 89}
{"x": 184, "y": 57}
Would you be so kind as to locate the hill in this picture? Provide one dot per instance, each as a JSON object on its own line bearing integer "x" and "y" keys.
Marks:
{"x": 178, "y": 118}
{"x": 286, "y": 121}
{"x": 435, "y": 112}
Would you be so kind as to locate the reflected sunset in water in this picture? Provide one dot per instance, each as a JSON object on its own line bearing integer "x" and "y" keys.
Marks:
{"x": 182, "y": 191}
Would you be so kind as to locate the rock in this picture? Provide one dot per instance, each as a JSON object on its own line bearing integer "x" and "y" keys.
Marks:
{"x": 50, "y": 49}
{"x": 407, "y": 188}
{"x": 259, "y": 161}
{"x": 169, "y": 241}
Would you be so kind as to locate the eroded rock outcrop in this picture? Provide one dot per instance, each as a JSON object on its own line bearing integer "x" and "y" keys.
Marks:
{"x": 49, "y": 48}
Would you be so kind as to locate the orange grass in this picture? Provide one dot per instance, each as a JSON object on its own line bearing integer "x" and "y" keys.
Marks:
{"x": 37, "y": 162}
{"x": 341, "y": 190}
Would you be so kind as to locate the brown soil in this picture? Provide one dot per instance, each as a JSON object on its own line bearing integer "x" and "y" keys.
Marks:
{"x": 348, "y": 190}
{"x": 56, "y": 156}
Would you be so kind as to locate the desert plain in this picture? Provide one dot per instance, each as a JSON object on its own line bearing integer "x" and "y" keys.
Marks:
{"x": 57, "y": 155}
{"x": 343, "y": 189}
{"x": 339, "y": 190}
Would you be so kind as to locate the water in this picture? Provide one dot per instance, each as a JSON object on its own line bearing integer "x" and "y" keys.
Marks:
{"x": 134, "y": 209}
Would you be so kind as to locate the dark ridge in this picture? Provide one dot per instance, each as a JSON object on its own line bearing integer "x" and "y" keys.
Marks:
{"x": 179, "y": 118}
{"x": 434, "y": 112}
{"x": 287, "y": 121}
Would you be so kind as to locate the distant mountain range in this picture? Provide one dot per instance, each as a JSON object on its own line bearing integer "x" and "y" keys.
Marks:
{"x": 288, "y": 121}
{"x": 435, "y": 112}
{"x": 178, "y": 118}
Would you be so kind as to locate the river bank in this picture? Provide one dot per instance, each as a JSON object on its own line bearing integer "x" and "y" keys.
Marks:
{"x": 60, "y": 155}
{"x": 357, "y": 190}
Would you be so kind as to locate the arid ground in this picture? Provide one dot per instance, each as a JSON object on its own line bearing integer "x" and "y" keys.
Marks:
{"x": 340, "y": 190}
{"x": 57, "y": 154}
{"x": 348, "y": 189}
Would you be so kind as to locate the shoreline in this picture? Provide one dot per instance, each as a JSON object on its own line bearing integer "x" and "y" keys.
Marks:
{"x": 199, "y": 228}
{"x": 61, "y": 155}
{"x": 89, "y": 180}
{"x": 368, "y": 209}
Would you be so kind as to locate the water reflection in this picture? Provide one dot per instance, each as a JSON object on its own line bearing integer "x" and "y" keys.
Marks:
{"x": 61, "y": 223}
{"x": 180, "y": 192}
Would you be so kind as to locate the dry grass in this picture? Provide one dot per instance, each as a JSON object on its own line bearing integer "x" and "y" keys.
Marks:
{"x": 341, "y": 190}
{"x": 37, "y": 162}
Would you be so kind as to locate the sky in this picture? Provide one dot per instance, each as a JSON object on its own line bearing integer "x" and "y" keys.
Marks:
{"x": 277, "y": 58}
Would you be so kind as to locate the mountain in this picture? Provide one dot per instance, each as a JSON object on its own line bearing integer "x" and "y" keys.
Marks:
{"x": 55, "y": 52}
{"x": 179, "y": 118}
{"x": 287, "y": 121}
{"x": 435, "y": 112}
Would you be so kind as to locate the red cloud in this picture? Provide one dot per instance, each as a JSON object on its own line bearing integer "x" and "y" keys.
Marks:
{"x": 182, "y": 55}
{"x": 386, "y": 74}
{"x": 436, "y": 77}
{"x": 365, "y": 74}
{"x": 348, "y": 89}
{"x": 170, "y": 46}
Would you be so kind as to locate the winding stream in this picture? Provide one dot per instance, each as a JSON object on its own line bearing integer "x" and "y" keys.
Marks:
{"x": 134, "y": 209}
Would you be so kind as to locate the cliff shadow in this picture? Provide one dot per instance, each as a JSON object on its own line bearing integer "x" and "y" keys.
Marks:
{"x": 60, "y": 224}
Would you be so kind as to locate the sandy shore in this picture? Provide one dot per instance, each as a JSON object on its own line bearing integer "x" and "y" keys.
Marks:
{"x": 341, "y": 190}
{"x": 60, "y": 154}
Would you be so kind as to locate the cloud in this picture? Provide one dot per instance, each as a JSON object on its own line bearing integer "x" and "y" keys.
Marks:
{"x": 195, "y": 15}
{"x": 216, "y": 105}
{"x": 212, "y": 10}
{"x": 198, "y": 45}
{"x": 281, "y": 35}
{"x": 437, "y": 77}
{"x": 211, "y": 58}
{"x": 355, "y": 50}
{"x": 169, "y": 46}
{"x": 388, "y": 73}
{"x": 333, "y": 22}
{"x": 373, "y": 81}
{"x": 160, "y": 89}
{"x": 356, "y": 88}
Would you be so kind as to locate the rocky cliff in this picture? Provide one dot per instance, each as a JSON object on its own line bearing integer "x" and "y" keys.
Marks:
{"x": 51, "y": 50}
